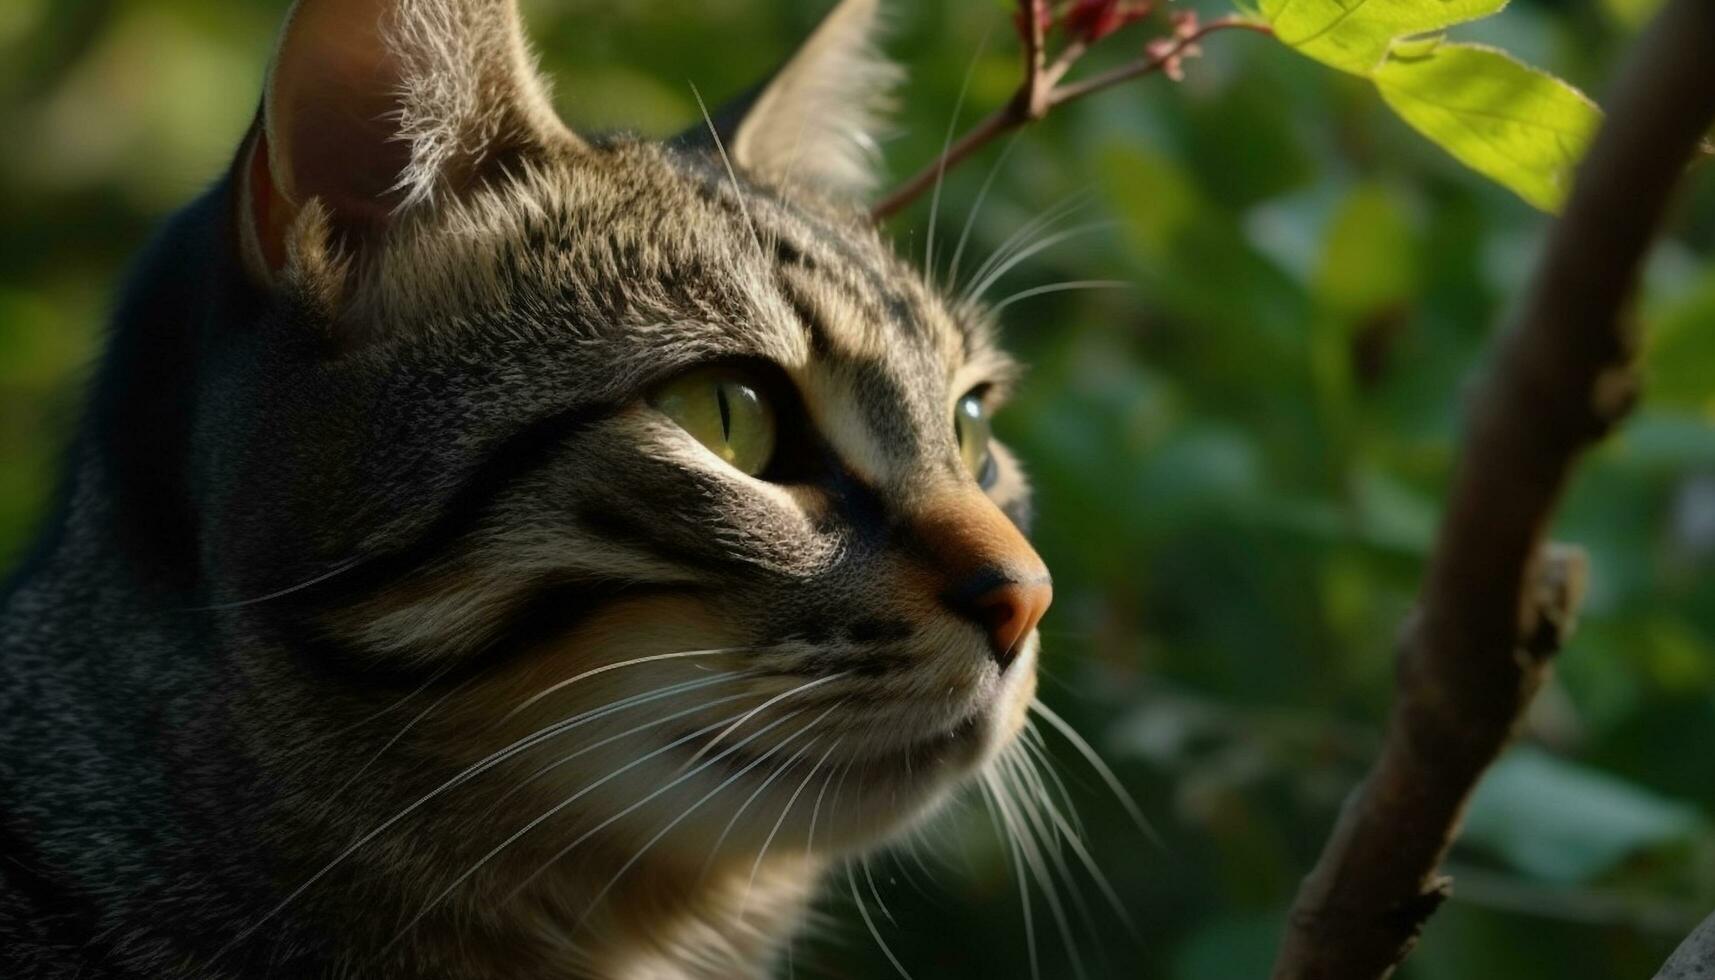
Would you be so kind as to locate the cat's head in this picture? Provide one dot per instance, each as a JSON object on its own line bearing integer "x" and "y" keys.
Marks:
{"x": 655, "y": 448}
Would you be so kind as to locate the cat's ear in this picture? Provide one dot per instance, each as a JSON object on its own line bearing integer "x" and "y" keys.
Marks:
{"x": 816, "y": 120}
{"x": 374, "y": 108}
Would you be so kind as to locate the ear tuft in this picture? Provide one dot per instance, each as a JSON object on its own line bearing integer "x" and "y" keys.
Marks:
{"x": 816, "y": 120}
{"x": 468, "y": 89}
{"x": 314, "y": 263}
{"x": 377, "y": 107}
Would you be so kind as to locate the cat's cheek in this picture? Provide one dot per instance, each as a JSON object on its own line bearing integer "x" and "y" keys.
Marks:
{"x": 629, "y": 647}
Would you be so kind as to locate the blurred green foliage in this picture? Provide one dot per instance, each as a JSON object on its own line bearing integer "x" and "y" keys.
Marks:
{"x": 1240, "y": 461}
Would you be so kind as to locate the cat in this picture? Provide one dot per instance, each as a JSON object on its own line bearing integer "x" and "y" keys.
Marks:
{"x": 490, "y": 551}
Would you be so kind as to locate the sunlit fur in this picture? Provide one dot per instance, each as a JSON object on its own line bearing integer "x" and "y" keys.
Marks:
{"x": 405, "y": 639}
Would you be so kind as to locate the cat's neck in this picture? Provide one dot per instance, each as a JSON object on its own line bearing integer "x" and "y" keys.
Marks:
{"x": 660, "y": 922}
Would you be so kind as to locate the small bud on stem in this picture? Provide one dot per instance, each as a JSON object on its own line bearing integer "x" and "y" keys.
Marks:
{"x": 1083, "y": 23}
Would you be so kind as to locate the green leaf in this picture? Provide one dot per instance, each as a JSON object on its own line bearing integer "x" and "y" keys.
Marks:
{"x": 1563, "y": 822}
{"x": 1354, "y": 35}
{"x": 1521, "y": 127}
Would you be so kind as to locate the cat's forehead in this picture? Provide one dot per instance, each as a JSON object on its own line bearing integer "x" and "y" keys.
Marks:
{"x": 661, "y": 252}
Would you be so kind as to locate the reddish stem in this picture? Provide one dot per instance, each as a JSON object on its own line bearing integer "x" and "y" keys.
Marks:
{"x": 1039, "y": 92}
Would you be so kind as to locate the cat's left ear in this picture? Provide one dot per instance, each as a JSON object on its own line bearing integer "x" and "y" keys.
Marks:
{"x": 815, "y": 120}
{"x": 375, "y": 109}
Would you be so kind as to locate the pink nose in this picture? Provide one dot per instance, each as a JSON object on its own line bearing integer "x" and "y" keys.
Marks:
{"x": 1010, "y": 611}
{"x": 989, "y": 574}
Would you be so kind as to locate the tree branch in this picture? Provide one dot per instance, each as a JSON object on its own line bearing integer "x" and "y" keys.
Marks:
{"x": 1040, "y": 91}
{"x": 1496, "y": 603}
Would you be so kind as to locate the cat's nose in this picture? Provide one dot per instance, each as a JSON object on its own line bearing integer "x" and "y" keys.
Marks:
{"x": 1010, "y": 611}
{"x": 993, "y": 577}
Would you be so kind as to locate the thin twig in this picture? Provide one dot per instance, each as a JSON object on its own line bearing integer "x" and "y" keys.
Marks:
{"x": 1156, "y": 62}
{"x": 1034, "y": 92}
{"x": 1040, "y": 91}
{"x": 1496, "y": 603}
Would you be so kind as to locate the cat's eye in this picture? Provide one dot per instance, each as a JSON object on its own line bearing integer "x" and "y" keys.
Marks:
{"x": 724, "y": 412}
{"x": 971, "y": 423}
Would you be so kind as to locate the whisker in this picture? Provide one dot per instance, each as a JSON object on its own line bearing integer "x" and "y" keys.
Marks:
{"x": 538, "y": 820}
{"x": 1051, "y": 216}
{"x": 458, "y": 779}
{"x": 326, "y": 738}
{"x": 763, "y": 707}
{"x": 1037, "y": 750}
{"x": 635, "y": 729}
{"x": 735, "y": 777}
{"x": 863, "y": 910}
{"x": 729, "y": 750}
{"x": 1071, "y": 735}
{"x": 1063, "y": 682}
{"x": 912, "y": 845}
{"x": 1033, "y": 762}
{"x": 339, "y": 569}
{"x": 1029, "y": 796}
{"x": 756, "y": 865}
{"x": 941, "y": 168}
{"x": 419, "y": 716}
{"x": 991, "y": 793}
{"x": 1031, "y": 822}
{"x": 1045, "y": 841}
{"x": 816, "y": 811}
{"x": 732, "y": 175}
{"x": 977, "y": 206}
{"x": 869, "y": 875}
{"x": 762, "y": 787}
{"x": 1012, "y": 261}
{"x": 956, "y": 845}
{"x": 1075, "y": 841}
{"x": 592, "y": 672}
{"x": 1058, "y": 287}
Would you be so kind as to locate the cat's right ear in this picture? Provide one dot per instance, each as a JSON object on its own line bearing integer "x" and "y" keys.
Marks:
{"x": 815, "y": 121}
{"x": 376, "y": 108}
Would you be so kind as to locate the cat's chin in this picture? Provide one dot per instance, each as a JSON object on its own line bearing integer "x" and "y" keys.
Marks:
{"x": 697, "y": 808}
{"x": 959, "y": 748}
{"x": 907, "y": 781}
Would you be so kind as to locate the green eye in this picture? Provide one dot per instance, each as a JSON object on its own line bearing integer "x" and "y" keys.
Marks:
{"x": 972, "y": 425}
{"x": 724, "y": 413}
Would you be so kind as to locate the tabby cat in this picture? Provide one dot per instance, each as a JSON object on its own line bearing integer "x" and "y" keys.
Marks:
{"x": 495, "y": 552}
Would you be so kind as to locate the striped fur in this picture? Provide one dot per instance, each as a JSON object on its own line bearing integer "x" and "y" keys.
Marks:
{"x": 386, "y": 631}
